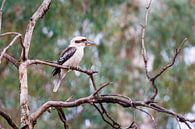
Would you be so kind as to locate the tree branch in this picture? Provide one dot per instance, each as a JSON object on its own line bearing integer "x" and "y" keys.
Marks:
{"x": 40, "y": 12}
{"x": 114, "y": 125}
{"x": 8, "y": 119}
{"x": 8, "y": 46}
{"x": 151, "y": 117}
{"x": 1, "y": 12}
{"x": 11, "y": 59}
{"x": 177, "y": 51}
{"x": 24, "y": 103}
{"x": 88, "y": 72}
{"x": 145, "y": 58}
{"x": 101, "y": 87}
{"x": 123, "y": 101}
{"x": 62, "y": 117}
{"x": 14, "y": 33}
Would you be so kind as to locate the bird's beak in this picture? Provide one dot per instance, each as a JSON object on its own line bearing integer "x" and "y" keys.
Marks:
{"x": 90, "y": 43}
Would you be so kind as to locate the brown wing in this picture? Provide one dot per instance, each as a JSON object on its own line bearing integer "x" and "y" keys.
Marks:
{"x": 64, "y": 56}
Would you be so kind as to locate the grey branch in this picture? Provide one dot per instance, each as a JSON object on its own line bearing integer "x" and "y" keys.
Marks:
{"x": 40, "y": 12}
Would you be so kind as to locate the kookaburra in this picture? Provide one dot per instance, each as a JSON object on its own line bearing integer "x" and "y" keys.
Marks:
{"x": 71, "y": 57}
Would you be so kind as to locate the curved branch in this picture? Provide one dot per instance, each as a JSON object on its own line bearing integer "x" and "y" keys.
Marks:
{"x": 8, "y": 46}
{"x": 151, "y": 117}
{"x": 14, "y": 33}
{"x": 8, "y": 119}
{"x": 12, "y": 60}
{"x": 123, "y": 101}
{"x": 145, "y": 58}
{"x": 40, "y": 12}
{"x": 177, "y": 51}
{"x": 62, "y": 117}
{"x": 101, "y": 87}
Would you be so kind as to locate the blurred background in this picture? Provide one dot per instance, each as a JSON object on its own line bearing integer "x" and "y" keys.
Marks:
{"x": 115, "y": 27}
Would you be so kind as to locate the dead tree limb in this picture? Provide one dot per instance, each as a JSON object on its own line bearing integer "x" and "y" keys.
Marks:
{"x": 24, "y": 103}
{"x": 1, "y": 12}
{"x": 8, "y": 46}
{"x": 28, "y": 120}
{"x": 62, "y": 117}
{"x": 114, "y": 99}
{"x": 11, "y": 59}
{"x": 39, "y": 13}
{"x": 145, "y": 57}
{"x": 8, "y": 119}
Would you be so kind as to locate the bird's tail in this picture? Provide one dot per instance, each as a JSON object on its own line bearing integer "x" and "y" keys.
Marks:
{"x": 59, "y": 80}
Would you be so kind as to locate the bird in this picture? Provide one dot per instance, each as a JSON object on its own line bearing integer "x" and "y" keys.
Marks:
{"x": 71, "y": 57}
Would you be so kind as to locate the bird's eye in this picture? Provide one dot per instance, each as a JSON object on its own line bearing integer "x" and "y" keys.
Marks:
{"x": 77, "y": 41}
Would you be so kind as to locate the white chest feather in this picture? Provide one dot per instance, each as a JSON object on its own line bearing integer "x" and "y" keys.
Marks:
{"x": 76, "y": 58}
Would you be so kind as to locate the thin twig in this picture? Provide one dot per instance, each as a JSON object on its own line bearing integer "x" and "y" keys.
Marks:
{"x": 2, "y": 4}
{"x": 9, "y": 33}
{"x": 101, "y": 87}
{"x": 1, "y": 13}
{"x": 102, "y": 115}
{"x": 62, "y": 117}
{"x": 177, "y": 51}
{"x": 144, "y": 52}
{"x": 151, "y": 117}
{"x": 93, "y": 81}
{"x": 115, "y": 124}
{"x": 8, "y": 119}
{"x": 14, "y": 33}
{"x": 8, "y": 46}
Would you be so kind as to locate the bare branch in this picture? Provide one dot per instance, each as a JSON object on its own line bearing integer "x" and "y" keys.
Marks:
{"x": 11, "y": 59}
{"x": 1, "y": 13}
{"x": 123, "y": 101}
{"x": 8, "y": 46}
{"x": 114, "y": 123}
{"x": 9, "y": 33}
{"x": 177, "y": 51}
{"x": 2, "y": 4}
{"x": 8, "y": 119}
{"x": 88, "y": 72}
{"x": 151, "y": 117}
{"x": 144, "y": 53}
{"x": 145, "y": 58}
{"x": 101, "y": 87}
{"x": 40, "y": 12}
{"x": 24, "y": 103}
{"x": 14, "y": 33}
{"x": 108, "y": 122}
{"x": 62, "y": 117}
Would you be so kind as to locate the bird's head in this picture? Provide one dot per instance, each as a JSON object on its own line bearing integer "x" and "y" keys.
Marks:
{"x": 80, "y": 41}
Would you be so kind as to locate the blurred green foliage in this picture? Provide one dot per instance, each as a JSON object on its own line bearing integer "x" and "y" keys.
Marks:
{"x": 115, "y": 26}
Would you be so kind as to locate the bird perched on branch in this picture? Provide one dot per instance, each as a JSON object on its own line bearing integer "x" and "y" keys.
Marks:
{"x": 71, "y": 57}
